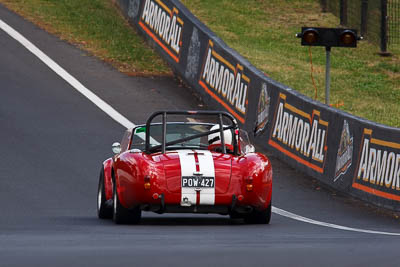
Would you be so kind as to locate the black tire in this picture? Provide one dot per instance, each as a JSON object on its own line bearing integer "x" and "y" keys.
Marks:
{"x": 259, "y": 216}
{"x": 121, "y": 215}
{"x": 104, "y": 211}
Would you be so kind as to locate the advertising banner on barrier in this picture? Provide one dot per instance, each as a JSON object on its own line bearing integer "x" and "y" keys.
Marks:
{"x": 225, "y": 81}
{"x": 348, "y": 153}
{"x": 264, "y": 104}
{"x": 344, "y": 157}
{"x": 378, "y": 166}
{"x": 300, "y": 133}
{"x": 163, "y": 25}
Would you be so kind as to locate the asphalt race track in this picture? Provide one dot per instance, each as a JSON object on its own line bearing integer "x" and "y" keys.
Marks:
{"x": 53, "y": 141}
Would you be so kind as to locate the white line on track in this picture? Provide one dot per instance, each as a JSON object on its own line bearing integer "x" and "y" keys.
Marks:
{"x": 66, "y": 76}
{"x": 331, "y": 225}
{"x": 128, "y": 124}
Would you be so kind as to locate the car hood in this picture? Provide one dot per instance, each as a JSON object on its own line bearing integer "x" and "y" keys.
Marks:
{"x": 201, "y": 162}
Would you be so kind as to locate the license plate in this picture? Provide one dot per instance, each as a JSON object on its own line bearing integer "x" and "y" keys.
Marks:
{"x": 197, "y": 181}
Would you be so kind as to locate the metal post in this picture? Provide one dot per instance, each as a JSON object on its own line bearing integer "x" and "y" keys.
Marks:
{"x": 384, "y": 28}
{"x": 343, "y": 12}
{"x": 327, "y": 74}
{"x": 324, "y": 6}
{"x": 364, "y": 17}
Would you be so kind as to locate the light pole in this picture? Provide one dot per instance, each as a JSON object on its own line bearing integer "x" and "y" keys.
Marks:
{"x": 328, "y": 37}
{"x": 327, "y": 74}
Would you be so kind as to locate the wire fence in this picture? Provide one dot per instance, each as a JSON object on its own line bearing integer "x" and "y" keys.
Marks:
{"x": 378, "y": 21}
{"x": 394, "y": 22}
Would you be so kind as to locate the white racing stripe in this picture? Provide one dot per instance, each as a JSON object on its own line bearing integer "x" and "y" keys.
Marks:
{"x": 128, "y": 124}
{"x": 206, "y": 165}
{"x": 188, "y": 166}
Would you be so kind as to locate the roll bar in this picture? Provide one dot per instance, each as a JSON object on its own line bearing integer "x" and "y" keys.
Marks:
{"x": 219, "y": 114}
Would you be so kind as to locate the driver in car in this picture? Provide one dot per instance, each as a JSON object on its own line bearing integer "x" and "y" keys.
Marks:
{"x": 214, "y": 140}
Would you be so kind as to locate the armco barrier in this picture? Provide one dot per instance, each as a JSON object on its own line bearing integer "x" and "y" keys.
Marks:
{"x": 348, "y": 153}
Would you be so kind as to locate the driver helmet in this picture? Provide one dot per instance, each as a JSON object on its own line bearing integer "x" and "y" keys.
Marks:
{"x": 215, "y": 138}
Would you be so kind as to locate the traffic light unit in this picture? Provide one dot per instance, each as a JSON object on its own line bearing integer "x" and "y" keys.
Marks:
{"x": 328, "y": 37}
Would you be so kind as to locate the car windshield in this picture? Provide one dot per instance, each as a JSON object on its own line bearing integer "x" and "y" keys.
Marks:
{"x": 175, "y": 131}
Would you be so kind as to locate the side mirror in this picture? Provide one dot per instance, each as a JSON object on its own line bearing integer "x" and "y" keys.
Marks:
{"x": 116, "y": 148}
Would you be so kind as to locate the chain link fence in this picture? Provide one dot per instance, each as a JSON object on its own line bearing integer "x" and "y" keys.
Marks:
{"x": 378, "y": 21}
{"x": 394, "y": 22}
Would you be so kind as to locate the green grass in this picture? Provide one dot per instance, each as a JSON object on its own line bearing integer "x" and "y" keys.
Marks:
{"x": 263, "y": 31}
{"x": 96, "y": 26}
{"x": 363, "y": 83}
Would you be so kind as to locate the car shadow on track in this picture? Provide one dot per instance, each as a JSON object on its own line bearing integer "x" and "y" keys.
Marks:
{"x": 190, "y": 221}
{"x": 157, "y": 220}
{"x": 154, "y": 220}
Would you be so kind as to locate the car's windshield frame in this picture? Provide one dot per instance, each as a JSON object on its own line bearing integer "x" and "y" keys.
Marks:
{"x": 138, "y": 133}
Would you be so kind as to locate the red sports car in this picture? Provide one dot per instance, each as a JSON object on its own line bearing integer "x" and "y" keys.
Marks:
{"x": 185, "y": 167}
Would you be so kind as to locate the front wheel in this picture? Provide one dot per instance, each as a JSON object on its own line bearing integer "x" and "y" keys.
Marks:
{"x": 122, "y": 215}
{"x": 259, "y": 216}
